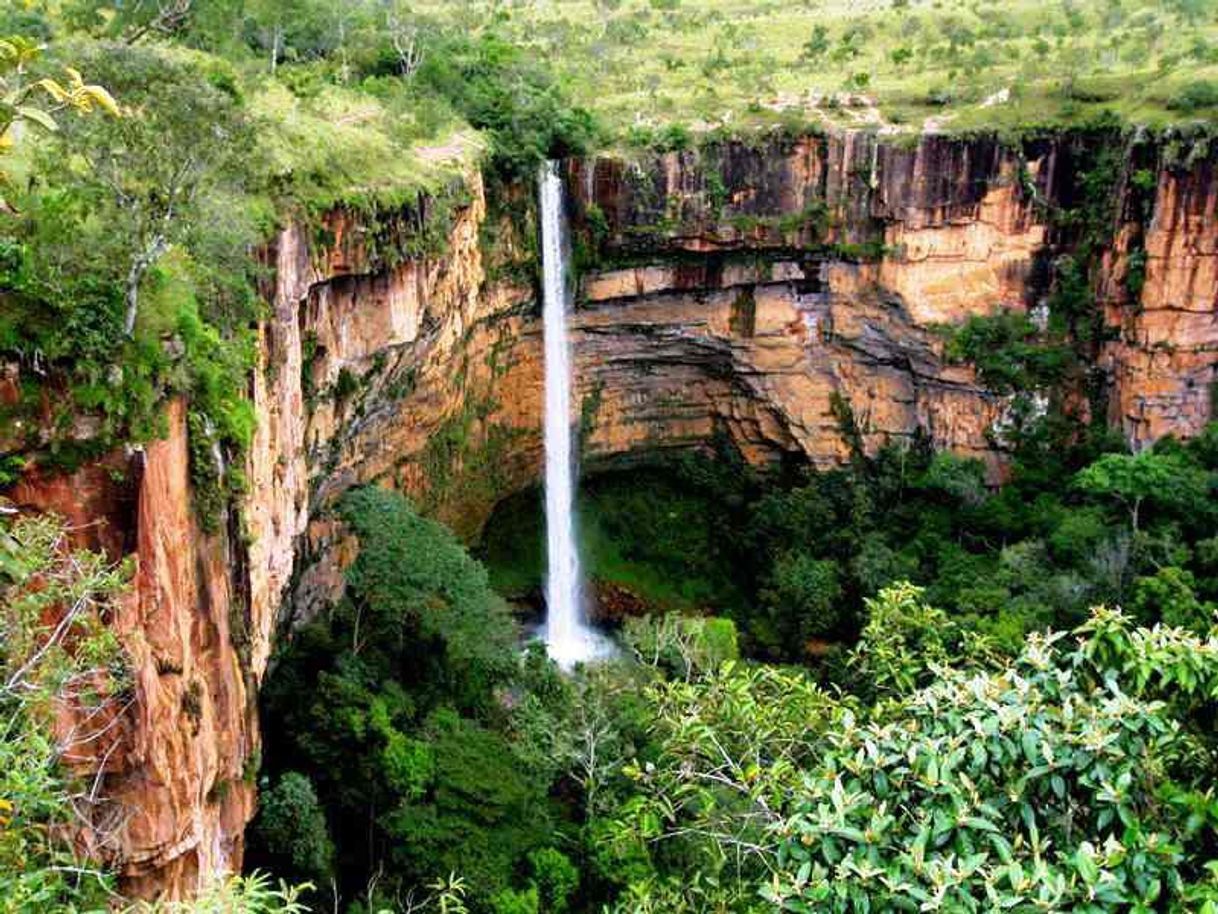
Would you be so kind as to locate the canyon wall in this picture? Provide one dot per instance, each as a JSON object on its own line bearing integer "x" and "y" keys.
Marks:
{"x": 786, "y": 295}
{"x": 858, "y": 252}
{"x": 176, "y": 767}
{"x": 1161, "y": 359}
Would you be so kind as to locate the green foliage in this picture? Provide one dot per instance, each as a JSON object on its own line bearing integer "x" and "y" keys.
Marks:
{"x": 334, "y": 146}
{"x": 1029, "y": 787}
{"x": 664, "y": 534}
{"x": 251, "y": 894}
{"x": 501, "y": 89}
{"x": 1146, "y": 476}
{"x": 391, "y": 704}
{"x": 747, "y": 67}
{"x": 1007, "y": 352}
{"x": 127, "y": 277}
{"x": 413, "y": 577}
{"x": 26, "y": 102}
{"x": 1196, "y": 96}
{"x": 804, "y": 594}
{"x": 57, "y": 657}
{"x": 728, "y": 746}
{"x": 905, "y": 641}
{"x": 556, "y": 878}
{"x": 683, "y": 645}
{"x": 513, "y": 901}
{"x": 961, "y": 479}
{"x": 806, "y": 549}
{"x": 1065, "y": 778}
{"x": 1170, "y": 595}
{"x": 685, "y": 760}
{"x": 291, "y": 820}
{"x": 482, "y": 812}
{"x": 817, "y": 46}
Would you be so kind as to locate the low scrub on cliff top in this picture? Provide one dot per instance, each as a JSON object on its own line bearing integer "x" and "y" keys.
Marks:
{"x": 126, "y": 275}
{"x": 646, "y": 64}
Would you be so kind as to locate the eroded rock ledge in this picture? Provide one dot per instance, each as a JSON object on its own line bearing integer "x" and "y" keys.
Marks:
{"x": 806, "y": 277}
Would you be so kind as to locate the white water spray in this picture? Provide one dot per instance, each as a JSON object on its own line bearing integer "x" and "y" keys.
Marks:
{"x": 569, "y": 639}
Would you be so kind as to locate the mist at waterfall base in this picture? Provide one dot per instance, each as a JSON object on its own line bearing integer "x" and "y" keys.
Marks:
{"x": 568, "y": 637}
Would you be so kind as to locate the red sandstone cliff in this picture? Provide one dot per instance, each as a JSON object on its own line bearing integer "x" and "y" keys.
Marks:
{"x": 175, "y": 772}
{"x": 1162, "y": 359}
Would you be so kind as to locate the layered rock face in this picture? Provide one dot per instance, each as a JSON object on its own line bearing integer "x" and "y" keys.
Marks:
{"x": 812, "y": 276}
{"x": 427, "y": 376}
{"x": 785, "y": 295}
{"x": 825, "y": 267}
{"x": 175, "y": 765}
{"x": 1161, "y": 361}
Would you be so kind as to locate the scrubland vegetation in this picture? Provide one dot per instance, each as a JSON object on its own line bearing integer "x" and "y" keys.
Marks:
{"x": 655, "y": 70}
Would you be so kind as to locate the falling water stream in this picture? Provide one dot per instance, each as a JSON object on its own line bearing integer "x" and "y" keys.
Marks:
{"x": 569, "y": 639}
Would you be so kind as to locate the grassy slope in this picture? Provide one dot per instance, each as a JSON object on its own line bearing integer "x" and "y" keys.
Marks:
{"x": 334, "y": 144}
{"x": 740, "y": 63}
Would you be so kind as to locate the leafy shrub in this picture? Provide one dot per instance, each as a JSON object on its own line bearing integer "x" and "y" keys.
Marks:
{"x": 1029, "y": 786}
{"x": 728, "y": 745}
{"x": 252, "y": 894}
{"x": 1007, "y": 352}
{"x": 57, "y": 658}
{"x": 1031, "y": 783}
{"x": 904, "y": 640}
{"x": 556, "y": 879}
{"x": 1195, "y": 96}
{"x": 682, "y": 644}
{"x": 290, "y": 819}
{"x": 1169, "y": 595}
{"x": 503, "y": 90}
{"x": 512, "y": 901}
{"x": 804, "y": 594}
{"x": 1144, "y": 478}
{"x": 960, "y": 478}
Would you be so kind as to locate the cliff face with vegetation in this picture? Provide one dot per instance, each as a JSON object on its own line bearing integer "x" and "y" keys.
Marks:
{"x": 1161, "y": 359}
{"x": 176, "y": 764}
{"x": 824, "y": 268}
{"x": 791, "y": 296}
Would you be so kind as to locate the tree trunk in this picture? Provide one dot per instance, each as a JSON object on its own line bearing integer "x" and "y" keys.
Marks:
{"x": 150, "y": 255}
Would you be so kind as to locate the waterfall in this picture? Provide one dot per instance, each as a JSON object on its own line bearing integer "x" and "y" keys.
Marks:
{"x": 569, "y": 639}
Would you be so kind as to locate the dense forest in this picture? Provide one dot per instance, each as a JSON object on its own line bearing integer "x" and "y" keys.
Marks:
{"x": 902, "y": 742}
{"x": 890, "y": 685}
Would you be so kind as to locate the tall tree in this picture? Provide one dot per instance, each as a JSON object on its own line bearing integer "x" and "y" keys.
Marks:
{"x": 1136, "y": 479}
{"x": 182, "y": 138}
